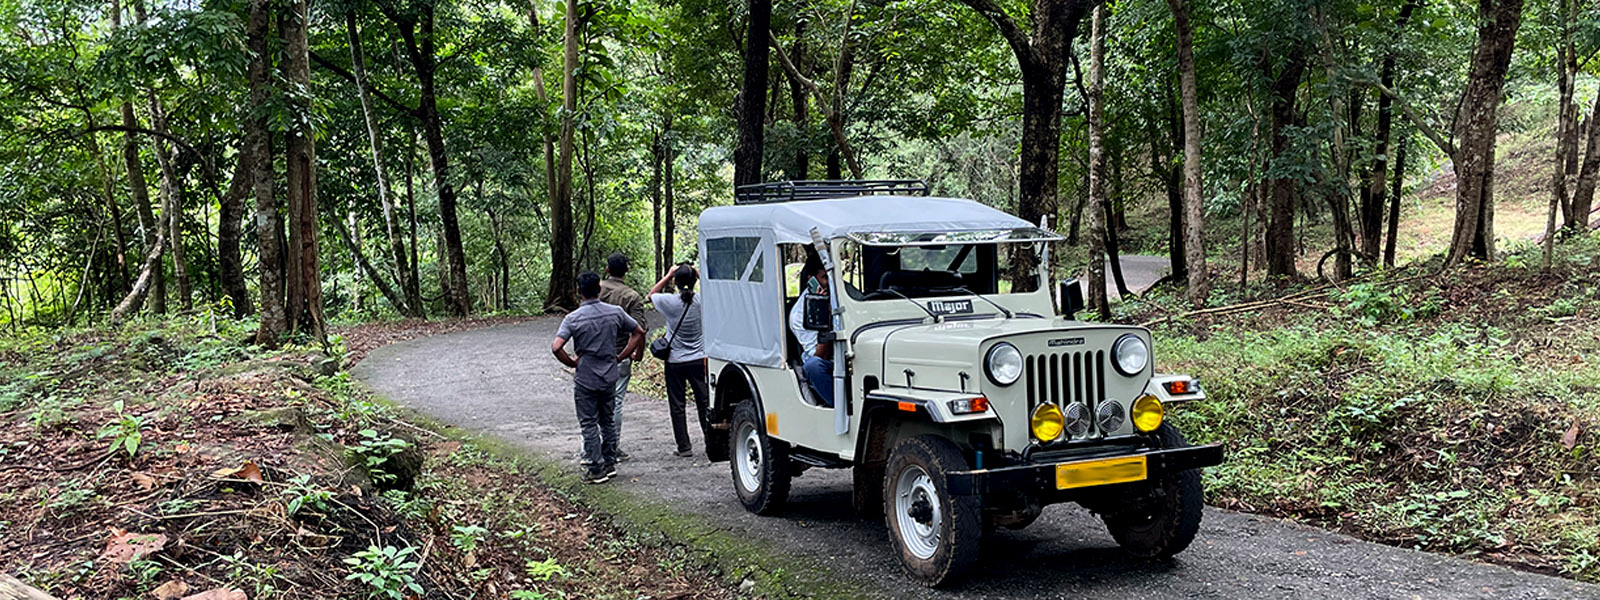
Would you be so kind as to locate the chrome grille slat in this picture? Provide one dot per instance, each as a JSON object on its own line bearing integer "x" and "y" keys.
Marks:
{"x": 1065, "y": 377}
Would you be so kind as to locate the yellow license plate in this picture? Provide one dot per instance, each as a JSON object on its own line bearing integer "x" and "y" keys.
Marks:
{"x": 1100, "y": 472}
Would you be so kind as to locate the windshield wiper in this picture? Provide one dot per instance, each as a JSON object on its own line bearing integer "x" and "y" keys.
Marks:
{"x": 914, "y": 302}
{"x": 985, "y": 299}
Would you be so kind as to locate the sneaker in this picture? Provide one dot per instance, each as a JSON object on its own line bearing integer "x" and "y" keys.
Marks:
{"x": 684, "y": 453}
{"x": 611, "y": 471}
{"x": 623, "y": 456}
{"x": 596, "y": 477}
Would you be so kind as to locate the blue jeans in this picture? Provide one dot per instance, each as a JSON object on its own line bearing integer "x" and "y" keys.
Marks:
{"x": 597, "y": 420}
{"x": 819, "y": 373}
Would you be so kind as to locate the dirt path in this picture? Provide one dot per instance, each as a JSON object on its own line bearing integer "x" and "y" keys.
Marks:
{"x": 504, "y": 382}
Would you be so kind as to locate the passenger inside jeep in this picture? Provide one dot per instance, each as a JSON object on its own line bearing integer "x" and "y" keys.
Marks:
{"x": 815, "y": 360}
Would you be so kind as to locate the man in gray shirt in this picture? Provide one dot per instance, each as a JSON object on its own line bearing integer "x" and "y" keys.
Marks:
{"x": 593, "y": 329}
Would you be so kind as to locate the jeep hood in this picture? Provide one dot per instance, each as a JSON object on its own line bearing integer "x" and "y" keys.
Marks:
{"x": 937, "y": 354}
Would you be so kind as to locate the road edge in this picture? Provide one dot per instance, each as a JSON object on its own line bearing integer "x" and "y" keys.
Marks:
{"x": 768, "y": 571}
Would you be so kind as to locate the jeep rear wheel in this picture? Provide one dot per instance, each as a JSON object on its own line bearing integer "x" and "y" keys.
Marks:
{"x": 760, "y": 464}
{"x": 936, "y": 534}
{"x": 1162, "y": 523}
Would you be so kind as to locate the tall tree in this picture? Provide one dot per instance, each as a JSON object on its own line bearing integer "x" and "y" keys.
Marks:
{"x": 1281, "y": 250}
{"x": 410, "y": 304}
{"x": 562, "y": 292}
{"x": 1372, "y": 201}
{"x": 258, "y": 147}
{"x": 1099, "y": 205}
{"x": 752, "y": 98}
{"x": 1476, "y": 126}
{"x": 1042, "y": 58}
{"x": 139, "y": 189}
{"x": 1194, "y": 242}
{"x": 303, "y": 297}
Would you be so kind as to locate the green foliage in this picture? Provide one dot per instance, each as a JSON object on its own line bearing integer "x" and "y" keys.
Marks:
{"x": 300, "y": 493}
{"x": 545, "y": 570}
{"x": 465, "y": 537}
{"x": 388, "y": 571}
{"x": 375, "y": 449}
{"x": 126, "y": 432}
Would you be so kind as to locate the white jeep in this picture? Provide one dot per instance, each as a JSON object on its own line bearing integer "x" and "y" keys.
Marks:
{"x": 963, "y": 402}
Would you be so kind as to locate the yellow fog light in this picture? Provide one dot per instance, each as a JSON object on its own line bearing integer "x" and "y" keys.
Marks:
{"x": 1047, "y": 422}
{"x": 1147, "y": 413}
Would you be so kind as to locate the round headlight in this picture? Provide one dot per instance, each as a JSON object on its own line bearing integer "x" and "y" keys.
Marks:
{"x": 1003, "y": 364}
{"x": 1147, "y": 413}
{"x": 1047, "y": 422}
{"x": 1109, "y": 417}
{"x": 1132, "y": 354}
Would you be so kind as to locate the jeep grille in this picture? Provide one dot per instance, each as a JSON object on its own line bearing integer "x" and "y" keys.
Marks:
{"x": 1066, "y": 377}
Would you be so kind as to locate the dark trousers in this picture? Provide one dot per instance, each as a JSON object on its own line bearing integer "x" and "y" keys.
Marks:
{"x": 597, "y": 419}
{"x": 683, "y": 375}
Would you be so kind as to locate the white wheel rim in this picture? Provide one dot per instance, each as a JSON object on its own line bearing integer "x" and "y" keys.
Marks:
{"x": 749, "y": 457}
{"x": 918, "y": 514}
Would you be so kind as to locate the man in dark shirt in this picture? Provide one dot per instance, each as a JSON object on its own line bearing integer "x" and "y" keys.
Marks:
{"x": 593, "y": 329}
{"x": 614, "y": 290}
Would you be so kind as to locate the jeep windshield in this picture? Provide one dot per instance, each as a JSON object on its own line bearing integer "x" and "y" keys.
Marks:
{"x": 928, "y": 270}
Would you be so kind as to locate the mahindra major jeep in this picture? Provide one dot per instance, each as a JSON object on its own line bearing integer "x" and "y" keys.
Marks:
{"x": 965, "y": 397}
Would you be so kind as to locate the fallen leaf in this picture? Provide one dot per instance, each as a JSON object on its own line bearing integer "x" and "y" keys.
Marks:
{"x": 171, "y": 590}
{"x": 218, "y": 594}
{"x": 1570, "y": 438}
{"x": 125, "y": 547}
{"x": 248, "y": 471}
{"x": 144, "y": 481}
{"x": 183, "y": 448}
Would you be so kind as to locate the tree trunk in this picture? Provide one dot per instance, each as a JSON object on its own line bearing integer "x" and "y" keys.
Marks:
{"x": 1099, "y": 207}
{"x": 397, "y": 246}
{"x": 258, "y": 147}
{"x": 1281, "y": 252}
{"x": 1476, "y": 126}
{"x": 304, "y": 293}
{"x": 1194, "y": 242}
{"x": 353, "y": 242}
{"x": 1583, "y": 197}
{"x": 1399, "y": 176}
{"x": 119, "y": 264}
{"x": 420, "y": 47}
{"x": 414, "y": 292}
{"x": 669, "y": 212}
{"x": 139, "y": 189}
{"x": 656, "y": 158}
{"x": 802, "y": 117}
{"x": 1161, "y": 163}
{"x": 752, "y": 99}
{"x": 230, "y": 214}
{"x": 141, "y": 286}
{"x": 563, "y": 292}
{"x": 1372, "y": 209}
{"x": 171, "y": 190}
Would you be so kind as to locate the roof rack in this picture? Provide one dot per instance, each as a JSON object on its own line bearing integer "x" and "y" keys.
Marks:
{"x": 789, "y": 191}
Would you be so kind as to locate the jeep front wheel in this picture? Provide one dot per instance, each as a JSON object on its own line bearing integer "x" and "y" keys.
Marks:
{"x": 1165, "y": 517}
{"x": 760, "y": 463}
{"x": 936, "y": 534}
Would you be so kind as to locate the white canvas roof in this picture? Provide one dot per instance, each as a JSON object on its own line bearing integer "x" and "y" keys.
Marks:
{"x": 791, "y": 222}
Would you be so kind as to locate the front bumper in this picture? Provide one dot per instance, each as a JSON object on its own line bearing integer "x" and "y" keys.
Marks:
{"x": 1041, "y": 476}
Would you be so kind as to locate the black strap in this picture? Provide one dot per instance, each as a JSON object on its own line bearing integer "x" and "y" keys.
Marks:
{"x": 681, "y": 317}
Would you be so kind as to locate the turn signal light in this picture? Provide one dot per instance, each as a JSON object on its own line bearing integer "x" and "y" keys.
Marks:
{"x": 1179, "y": 387}
{"x": 966, "y": 406}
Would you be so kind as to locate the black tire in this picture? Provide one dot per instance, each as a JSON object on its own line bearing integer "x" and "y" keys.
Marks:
{"x": 866, "y": 493}
{"x": 936, "y": 535}
{"x": 716, "y": 444}
{"x": 1170, "y": 519}
{"x": 760, "y": 464}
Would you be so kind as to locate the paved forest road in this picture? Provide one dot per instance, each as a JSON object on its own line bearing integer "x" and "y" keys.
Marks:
{"x": 1138, "y": 271}
{"x": 504, "y": 382}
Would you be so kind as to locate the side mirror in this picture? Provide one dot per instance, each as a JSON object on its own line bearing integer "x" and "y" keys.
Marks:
{"x": 1071, "y": 296}
{"x": 818, "y": 313}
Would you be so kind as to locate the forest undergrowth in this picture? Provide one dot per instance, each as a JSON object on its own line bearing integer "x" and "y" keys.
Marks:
{"x": 169, "y": 460}
{"x": 1455, "y": 413}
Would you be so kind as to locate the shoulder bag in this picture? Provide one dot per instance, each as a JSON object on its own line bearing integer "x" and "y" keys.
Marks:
{"x": 662, "y": 347}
